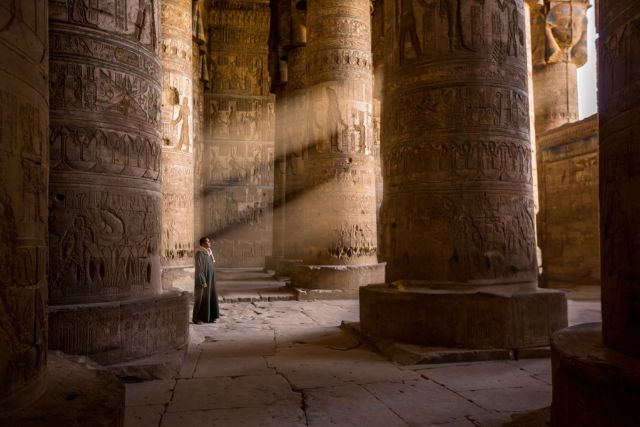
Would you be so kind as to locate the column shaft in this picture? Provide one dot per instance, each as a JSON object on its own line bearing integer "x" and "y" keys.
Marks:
{"x": 24, "y": 169}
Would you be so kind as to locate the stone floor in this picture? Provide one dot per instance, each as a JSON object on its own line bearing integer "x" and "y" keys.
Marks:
{"x": 287, "y": 363}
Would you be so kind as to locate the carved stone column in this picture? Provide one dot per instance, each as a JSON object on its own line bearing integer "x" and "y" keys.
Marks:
{"x": 106, "y": 202}
{"x": 200, "y": 83}
{"x": 596, "y": 366}
{"x": 24, "y": 169}
{"x": 458, "y": 211}
{"x": 239, "y": 150}
{"x": 340, "y": 250}
{"x": 559, "y": 48}
{"x": 177, "y": 243}
{"x": 296, "y": 144}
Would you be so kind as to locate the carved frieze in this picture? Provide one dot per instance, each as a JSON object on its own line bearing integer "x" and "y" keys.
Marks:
{"x": 457, "y": 160}
{"x": 105, "y": 143}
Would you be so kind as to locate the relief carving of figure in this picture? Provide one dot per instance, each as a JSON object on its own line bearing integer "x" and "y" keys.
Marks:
{"x": 183, "y": 117}
{"x": 76, "y": 248}
{"x": 334, "y": 123}
{"x": 408, "y": 27}
{"x": 77, "y": 10}
{"x": 146, "y": 23}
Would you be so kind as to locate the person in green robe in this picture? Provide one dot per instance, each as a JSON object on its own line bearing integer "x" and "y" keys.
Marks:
{"x": 205, "y": 304}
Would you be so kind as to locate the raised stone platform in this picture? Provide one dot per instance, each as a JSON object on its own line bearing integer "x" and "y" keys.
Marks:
{"x": 334, "y": 281}
{"x": 487, "y": 319}
{"x": 592, "y": 384}
{"x": 119, "y": 331}
{"x": 77, "y": 394}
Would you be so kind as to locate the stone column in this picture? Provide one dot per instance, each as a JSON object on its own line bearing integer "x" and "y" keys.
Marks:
{"x": 296, "y": 144}
{"x": 239, "y": 150}
{"x": 200, "y": 83}
{"x": 177, "y": 243}
{"x": 24, "y": 169}
{"x": 105, "y": 196}
{"x": 458, "y": 210}
{"x": 559, "y": 48}
{"x": 340, "y": 250}
{"x": 596, "y": 366}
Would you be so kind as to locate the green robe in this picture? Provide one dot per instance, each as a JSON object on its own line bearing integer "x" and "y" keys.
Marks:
{"x": 205, "y": 304}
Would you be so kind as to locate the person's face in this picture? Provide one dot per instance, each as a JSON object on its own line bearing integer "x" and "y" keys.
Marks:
{"x": 206, "y": 243}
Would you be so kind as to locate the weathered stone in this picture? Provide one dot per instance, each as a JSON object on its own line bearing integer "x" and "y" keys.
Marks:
{"x": 265, "y": 416}
{"x": 559, "y": 48}
{"x": 24, "y": 170}
{"x": 458, "y": 210}
{"x": 568, "y": 221}
{"x": 239, "y": 146}
{"x": 77, "y": 393}
{"x": 490, "y": 318}
{"x": 177, "y": 242}
{"x": 106, "y": 204}
{"x": 602, "y": 382}
{"x": 112, "y": 332}
{"x": 339, "y": 198}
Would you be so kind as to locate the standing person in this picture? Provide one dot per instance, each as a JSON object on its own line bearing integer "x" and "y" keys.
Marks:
{"x": 205, "y": 305}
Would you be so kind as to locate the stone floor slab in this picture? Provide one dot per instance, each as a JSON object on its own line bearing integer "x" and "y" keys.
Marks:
{"x": 157, "y": 392}
{"x": 313, "y": 366}
{"x": 143, "y": 416}
{"x": 423, "y": 402}
{"x": 225, "y": 393}
{"x": 272, "y": 416}
{"x": 480, "y": 376}
{"x": 349, "y": 405}
{"x": 212, "y": 366}
{"x": 510, "y": 400}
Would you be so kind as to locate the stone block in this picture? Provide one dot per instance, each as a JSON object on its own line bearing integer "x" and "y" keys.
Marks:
{"x": 285, "y": 266}
{"x": 119, "y": 331}
{"x": 271, "y": 261}
{"x": 592, "y": 384}
{"x": 337, "y": 277}
{"x": 472, "y": 319}
{"x": 78, "y": 394}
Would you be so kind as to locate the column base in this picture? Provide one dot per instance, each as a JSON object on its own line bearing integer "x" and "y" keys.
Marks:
{"x": 284, "y": 267}
{"x": 76, "y": 395}
{"x": 119, "y": 331}
{"x": 334, "y": 281}
{"x": 592, "y": 384}
{"x": 494, "y": 319}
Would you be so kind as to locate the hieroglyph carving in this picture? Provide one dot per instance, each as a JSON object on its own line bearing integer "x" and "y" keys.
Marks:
{"x": 457, "y": 159}
{"x": 105, "y": 216}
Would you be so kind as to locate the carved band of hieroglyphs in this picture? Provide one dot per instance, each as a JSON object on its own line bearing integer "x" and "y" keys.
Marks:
{"x": 241, "y": 119}
{"x": 455, "y": 108}
{"x": 104, "y": 151}
{"x": 89, "y": 88}
{"x": 103, "y": 242}
{"x": 141, "y": 24}
{"x": 352, "y": 61}
{"x": 341, "y": 31}
{"x": 474, "y": 236}
{"x": 450, "y": 160}
{"x": 241, "y": 164}
{"x": 114, "y": 53}
{"x": 424, "y": 30}
{"x": 241, "y": 73}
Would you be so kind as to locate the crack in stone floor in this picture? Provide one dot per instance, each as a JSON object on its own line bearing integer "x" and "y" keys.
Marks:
{"x": 287, "y": 363}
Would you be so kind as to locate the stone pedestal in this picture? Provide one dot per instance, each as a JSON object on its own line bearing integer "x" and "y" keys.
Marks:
{"x": 458, "y": 213}
{"x": 339, "y": 201}
{"x": 479, "y": 319}
{"x": 105, "y": 210}
{"x": 24, "y": 170}
{"x": 334, "y": 281}
{"x": 593, "y": 385}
